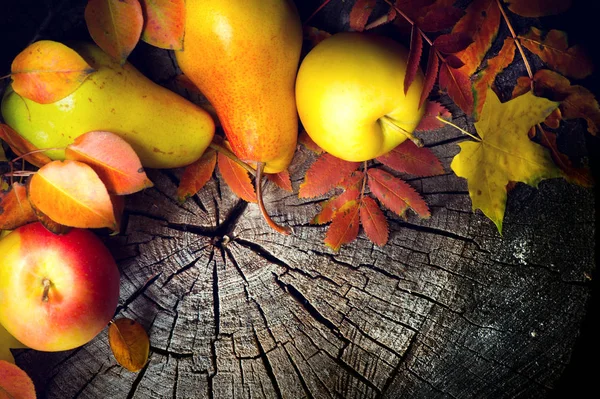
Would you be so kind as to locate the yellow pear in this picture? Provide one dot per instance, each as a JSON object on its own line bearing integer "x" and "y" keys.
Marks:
{"x": 164, "y": 129}
{"x": 243, "y": 56}
{"x": 350, "y": 96}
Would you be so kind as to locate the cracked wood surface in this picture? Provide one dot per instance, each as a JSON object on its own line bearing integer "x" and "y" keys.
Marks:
{"x": 447, "y": 309}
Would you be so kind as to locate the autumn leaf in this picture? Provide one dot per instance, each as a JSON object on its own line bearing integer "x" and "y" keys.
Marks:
{"x": 49, "y": 224}
{"x": 416, "y": 8}
{"x": 281, "y": 180}
{"x": 330, "y": 207}
{"x": 48, "y": 71}
{"x": 414, "y": 57}
{"x": 115, "y": 25}
{"x": 236, "y": 178}
{"x": 8, "y": 342}
{"x": 196, "y": 175}
{"x": 324, "y": 174}
{"x": 164, "y": 23}
{"x": 72, "y": 194}
{"x": 129, "y": 343}
{"x": 430, "y": 120}
{"x": 452, "y": 42}
{"x": 554, "y": 50}
{"x": 373, "y": 221}
{"x": 458, "y": 86}
{"x": 344, "y": 227}
{"x": 113, "y": 159}
{"x": 360, "y": 13}
{"x": 408, "y": 158}
{"x": 21, "y": 146}
{"x": 485, "y": 78}
{"x": 353, "y": 180}
{"x": 396, "y": 194}
{"x": 481, "y": 22}
{"x": 15, "y": 383}
{"x": 431, "y": 75}
{"x": 307, "y": 141}
{"x": 505, "y": 153}
{"x": 15, "y": 208}
{"x": 538, "y": 8}
{"x": 439, "y": 18}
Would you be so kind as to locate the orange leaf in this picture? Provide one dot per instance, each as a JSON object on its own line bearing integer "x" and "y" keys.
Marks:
{"x": 306, "y": 141}
{"x": 538, "y": 8}
{"x": 485, "y": 79}
{"x": 414, "y": 57}
{"x": 324, "y": 174}
{"x": 15, "y": 383}
{"x": 115, "y": 25}
{"x": 15, "y": 208}
{"x": 50, "y": 224}
{"x": 374, "y": 222}
{"x": 431, "y": 74}
{"x": 236, "y": 178}
{"x": 129, "y": 343}
{"x": 354, "y": 180}
{"x": 344, "y": 227}
{"x": 330, "y": 207}
{"x": 452, "y": 42}
{"x": 113, "y": 159}
{"x": 282, "y": 180}
{"x": 439, "y": 18}
{"x": 458, "y": 85}
{"x": 21, "y": 146}
{"x": 408, "y": 158}
{"x": 164, "y": 23}
{"x": 554, "y": 50}
{"x": 196, "y": 175}
{"x": 48, "y": 71}
{"x": 481, "y": 22}
{"x": 359, "y": 15}
{"x": 432, "y": 111}
{"x": 396, "y": 194}
{"x": 71, "y": 193}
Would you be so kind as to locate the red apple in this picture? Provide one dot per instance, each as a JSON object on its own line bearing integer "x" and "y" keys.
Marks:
{"x": 57, "y": 292}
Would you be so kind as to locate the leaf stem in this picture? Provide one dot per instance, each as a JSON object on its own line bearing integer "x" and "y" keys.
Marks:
{"x": 261, "y": 205}
{"x": 316, "y": 11}
{"x": 36, "y": 152}
{"x": 364, "y": 182}
{"x": 225, "y": 151}
{"x": 439, "y": 118}
{"x": 517, "y": 42}
{"x": 5, "y": 77}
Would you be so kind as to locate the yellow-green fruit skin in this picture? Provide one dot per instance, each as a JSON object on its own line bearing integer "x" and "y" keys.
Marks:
{"x": 244, "y": 57}
{"x": 346, "y": 85}
{"x": 164, "y": 129}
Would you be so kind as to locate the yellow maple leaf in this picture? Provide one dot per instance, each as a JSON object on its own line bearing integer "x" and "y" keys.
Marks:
{"x": 8, "y": 342}
{"x": 504, "y": 153}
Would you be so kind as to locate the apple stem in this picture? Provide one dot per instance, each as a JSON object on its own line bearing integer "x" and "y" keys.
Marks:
{"x": 280, "y": 229}
{"x": 47, "y": 284}
{"x": 391, "y": 122}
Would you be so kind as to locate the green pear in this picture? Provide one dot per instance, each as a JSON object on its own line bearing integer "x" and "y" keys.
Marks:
{"x": 164, "y": 129}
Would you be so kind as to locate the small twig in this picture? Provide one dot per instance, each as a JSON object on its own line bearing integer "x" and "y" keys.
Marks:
{"x": 458, "y": 127}
{"x": 19, "y": 173}
{"x": 225, "y": 151}
{"x": 364, "y": 182}
{"x": 316, "y": 11}
{"x": 36, "y": 152}
{"x": 517, "y": 42}
{"x": 5, "y": 76}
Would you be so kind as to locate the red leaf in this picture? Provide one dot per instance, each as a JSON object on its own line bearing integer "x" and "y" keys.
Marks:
{"x": 15, "y": 383}
{"x": 331, "y": 206}
{"x": 415, "y": 8}
{"x": 324, "y": 174}
{"x": 236, "y": 178}
{"x": 414, "y": 57}
{"x": 359, "y": 15}
{"x": 282, "y": 180}
{"x": 354, "y": 180}
{"x": 306, "y": 141}
{"x": 374, "y": 221}
{"x": 115, "y": 25}
{"x": 196, "y": 175}
{"x": 21, "y": 146}
{"x": 408, "y": 158}
{"x": 431, "y": 75}
{"x": 439, "y": 18}
{"x": 481, "y": 22}
{"x": 164, "y": 23}
{"x": 453, "y": 61}
{"x": 396, "y": 194}
{"x": 344, "y": 227}
{"x": 458, "y": 86}
{"x": 433, "y": 109}
{"x": 15, "y": 208}
{"x": 384, "y": 19}
{"x": 538, "y": 8}
{"x": 452, "y": 42}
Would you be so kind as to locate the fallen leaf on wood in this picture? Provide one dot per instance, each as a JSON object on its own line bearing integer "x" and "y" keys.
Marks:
{"x": 408, "y": 158}
{"x": 324, "y": 174}
{"x": 374, "y": 222}
{"x": 129, "y": 343}
{"x": 344, "y": 227}
{"x": 196, "y": 175}
{"x": 236, "y": 178}
{"x": 395, "y": 194}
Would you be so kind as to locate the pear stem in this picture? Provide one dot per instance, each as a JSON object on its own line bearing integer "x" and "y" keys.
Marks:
{"x": 439, "y": 118}
{"x": 280, "y": 229}
{"x": 390, "y": 122}
{"x": 225, "y": 151}
{"x": 47, "y": 284}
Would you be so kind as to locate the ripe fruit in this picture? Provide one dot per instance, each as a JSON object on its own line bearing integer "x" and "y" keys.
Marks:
{"x": 244, "y": 56}
{"x": 164, "y": 129}
{"x": 57, "y": 292}
{"x": 350, "y": 96}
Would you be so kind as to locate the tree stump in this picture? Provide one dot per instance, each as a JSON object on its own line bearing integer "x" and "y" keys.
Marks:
{"x": 447, "y": 309}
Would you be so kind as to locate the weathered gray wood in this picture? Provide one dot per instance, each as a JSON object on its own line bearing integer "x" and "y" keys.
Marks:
{"x": 448, "y": 309}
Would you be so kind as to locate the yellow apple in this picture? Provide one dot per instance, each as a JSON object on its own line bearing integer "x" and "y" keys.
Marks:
{"x": 350, "y": 95}
{"x": 57, "y": 292}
